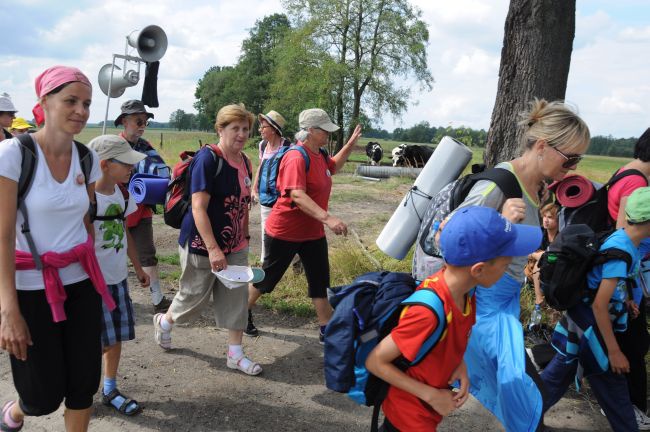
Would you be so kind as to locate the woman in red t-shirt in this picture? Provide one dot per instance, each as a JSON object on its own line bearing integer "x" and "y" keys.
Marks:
{"x": 295, "y": 225}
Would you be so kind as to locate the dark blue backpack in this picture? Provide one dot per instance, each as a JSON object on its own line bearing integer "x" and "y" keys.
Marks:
{"x": 153, "y": 164}
{"x": 269, "y": 168}
{"x": 364, "y": 313}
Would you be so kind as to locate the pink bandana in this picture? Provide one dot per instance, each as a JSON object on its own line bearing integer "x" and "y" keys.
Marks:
{"x": 52, "y": 78}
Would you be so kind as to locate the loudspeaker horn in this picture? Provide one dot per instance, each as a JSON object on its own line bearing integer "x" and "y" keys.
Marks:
{"x": 120, "y": 82}
{"x": 151, "y": 43}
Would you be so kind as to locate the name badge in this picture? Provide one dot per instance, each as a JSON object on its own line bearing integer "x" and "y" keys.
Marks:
{"x": 247, "y": 182}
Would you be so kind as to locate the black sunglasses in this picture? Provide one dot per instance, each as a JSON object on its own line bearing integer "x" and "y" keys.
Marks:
{"x": 141, "y": 122}
{"x": 571, "y": 160}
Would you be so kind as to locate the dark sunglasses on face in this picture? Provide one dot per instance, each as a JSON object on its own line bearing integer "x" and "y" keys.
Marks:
{"x": 571, "y": 159}
{"x": 141, "y": 122}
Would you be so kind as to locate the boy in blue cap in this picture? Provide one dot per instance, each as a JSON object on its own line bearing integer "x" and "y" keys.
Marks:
{"x": 477, "y": 244}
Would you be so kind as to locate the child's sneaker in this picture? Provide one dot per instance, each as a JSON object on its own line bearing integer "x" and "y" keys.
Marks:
{"x": 163, "y": 338}
{"x": 642, "y": 420}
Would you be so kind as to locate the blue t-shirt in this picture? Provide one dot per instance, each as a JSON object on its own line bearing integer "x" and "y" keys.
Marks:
{"x": 227, "y": 207}
{"x": 616, "y": 269}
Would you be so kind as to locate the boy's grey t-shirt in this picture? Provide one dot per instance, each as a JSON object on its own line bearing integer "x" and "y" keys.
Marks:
{"x": 486, "y": 193}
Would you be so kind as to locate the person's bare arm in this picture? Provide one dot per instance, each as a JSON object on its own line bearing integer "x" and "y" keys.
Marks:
{"x": 310, "y": 208}
{"x": 200, "y": 201}
{"x": 342, "y": 156}
{"x": 600, "y": 307}
{"x": 14, "y": 334}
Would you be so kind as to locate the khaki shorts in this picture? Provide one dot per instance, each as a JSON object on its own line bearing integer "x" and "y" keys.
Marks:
{"x": 196, "y": 284}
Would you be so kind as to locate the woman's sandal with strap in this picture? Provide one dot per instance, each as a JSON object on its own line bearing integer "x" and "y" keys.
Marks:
{"x": 252, "y": 369}
{"x": 108, "y": 399}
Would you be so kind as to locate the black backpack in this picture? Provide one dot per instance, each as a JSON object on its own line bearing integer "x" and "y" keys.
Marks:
{"x": 29, "y": 159}
{"x": 594, "y": 212}
{"x": 564, "y": 266}
{"x": 447, "y": 200}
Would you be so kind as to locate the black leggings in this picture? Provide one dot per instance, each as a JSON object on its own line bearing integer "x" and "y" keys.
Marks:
{"x": 64, "y": 361}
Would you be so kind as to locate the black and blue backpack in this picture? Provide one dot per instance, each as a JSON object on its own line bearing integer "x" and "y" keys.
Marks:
{"x": 269, "y": 168}
{"x": 153, "y": 164}
{"x": 364, "y": 313}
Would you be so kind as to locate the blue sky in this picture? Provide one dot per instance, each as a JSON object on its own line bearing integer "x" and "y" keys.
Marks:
{"x": 608, "y": 80}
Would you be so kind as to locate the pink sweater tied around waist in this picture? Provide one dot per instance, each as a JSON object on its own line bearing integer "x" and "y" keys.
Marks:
{"x": 83, "y": 253}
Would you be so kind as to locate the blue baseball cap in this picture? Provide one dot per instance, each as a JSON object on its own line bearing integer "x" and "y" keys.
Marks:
{"x": 476, "y": 234}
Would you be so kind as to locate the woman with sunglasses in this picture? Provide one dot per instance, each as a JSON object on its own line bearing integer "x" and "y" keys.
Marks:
{"x": 135, "y": 118}
{"x": 501, "y": 375}
{"x": 296, "y": 223}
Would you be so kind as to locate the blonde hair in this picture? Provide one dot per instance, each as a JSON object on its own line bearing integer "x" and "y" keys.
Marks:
{"x": 555, "y": 122}
{"x": 232, "y": 113}
{"x": 550, "y": 208}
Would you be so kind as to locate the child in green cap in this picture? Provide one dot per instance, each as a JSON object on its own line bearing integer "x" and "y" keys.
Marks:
{"x": 586, "y": 331}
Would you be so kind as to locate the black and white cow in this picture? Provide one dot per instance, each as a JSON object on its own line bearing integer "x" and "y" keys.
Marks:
{"x": 411, "y": 155}
{"x": 374, "y": 153}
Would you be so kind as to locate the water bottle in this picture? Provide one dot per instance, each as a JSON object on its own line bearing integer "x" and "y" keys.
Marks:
{"x": 535, "y": 318}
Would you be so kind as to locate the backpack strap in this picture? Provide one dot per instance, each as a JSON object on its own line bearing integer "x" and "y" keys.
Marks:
{"x": 504, "y": 179}
{"x": 628, "y": 172}
{"x": 85, "y": 160}
{"x": 126, "y": 196}
{"x": 28, "y": 163}
{"x": 431, "y": 300}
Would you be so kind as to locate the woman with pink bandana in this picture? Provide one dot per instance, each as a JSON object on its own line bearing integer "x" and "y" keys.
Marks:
{"x": 51, "y": 298}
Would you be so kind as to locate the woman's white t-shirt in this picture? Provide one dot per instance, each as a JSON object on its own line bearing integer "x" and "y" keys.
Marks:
{"x": 110, "y": 236}
{"x": 56, "y": 211}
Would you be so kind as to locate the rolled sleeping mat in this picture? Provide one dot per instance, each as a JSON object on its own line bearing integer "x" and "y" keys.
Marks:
{"x": 380, "y": 172}
{"x": 445, "y": 165}
{"x": 573, "y": 191}
{"x": 148, "y": 189}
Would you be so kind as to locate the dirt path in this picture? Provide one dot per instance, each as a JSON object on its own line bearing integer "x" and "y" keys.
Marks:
{"x": 190, "y": 388}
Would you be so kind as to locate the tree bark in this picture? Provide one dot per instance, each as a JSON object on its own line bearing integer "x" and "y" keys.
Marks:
{"x": 535, "y": 61}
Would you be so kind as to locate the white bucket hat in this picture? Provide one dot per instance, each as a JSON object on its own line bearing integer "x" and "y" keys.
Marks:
{"x": 235, "y": 276}
{"x": 6, "y": 105}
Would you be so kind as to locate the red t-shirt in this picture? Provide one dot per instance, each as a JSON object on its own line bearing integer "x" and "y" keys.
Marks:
{"x": 405, "y": 411}
{"x": 286, "y": 221}
{"x": 622, "y": 188}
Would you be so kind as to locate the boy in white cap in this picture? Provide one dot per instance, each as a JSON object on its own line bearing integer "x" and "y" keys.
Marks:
{"x": 112, "y": 245}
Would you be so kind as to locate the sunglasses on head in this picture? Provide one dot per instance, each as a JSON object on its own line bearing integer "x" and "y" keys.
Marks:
{"x": 571, "y": 159}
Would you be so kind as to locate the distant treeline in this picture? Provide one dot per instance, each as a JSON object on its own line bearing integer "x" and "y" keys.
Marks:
{"x": 424, "y": 133}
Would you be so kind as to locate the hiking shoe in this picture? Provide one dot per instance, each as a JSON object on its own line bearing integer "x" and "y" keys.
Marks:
{"x": 162, "y": 338}
{"x": 251, "y": 330}
{"x": 642, "y": 420}
{"x": 162, "y": 306}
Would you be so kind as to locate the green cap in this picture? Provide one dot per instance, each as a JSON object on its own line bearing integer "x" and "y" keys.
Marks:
{"x": 637, "y": 209}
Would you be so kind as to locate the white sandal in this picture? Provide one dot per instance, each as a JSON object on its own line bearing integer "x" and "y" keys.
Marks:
{"x": 252, "y": 369}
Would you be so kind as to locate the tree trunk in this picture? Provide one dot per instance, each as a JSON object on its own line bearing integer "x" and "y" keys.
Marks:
{"x": 535, "y": 61}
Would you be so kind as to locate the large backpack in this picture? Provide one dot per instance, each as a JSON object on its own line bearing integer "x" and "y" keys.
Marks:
{"x": 29, "y": 159}
{"x": 178, "y": 199}
{"x": 269, "y": 168}
{"x": 446, "y": 201}
{"x": 364, "y": 313}
{"x": 564, "y": 266}
{"x": 153, "y": 164}
{"x": 595, "y": 212}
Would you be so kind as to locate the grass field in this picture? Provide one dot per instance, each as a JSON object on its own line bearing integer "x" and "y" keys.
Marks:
{"x": 597, "y": 168}
{"x": 347, "y": 260}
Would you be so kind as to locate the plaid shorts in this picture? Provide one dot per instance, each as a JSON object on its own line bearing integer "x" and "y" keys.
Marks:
{"x": 119, "y": 325}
